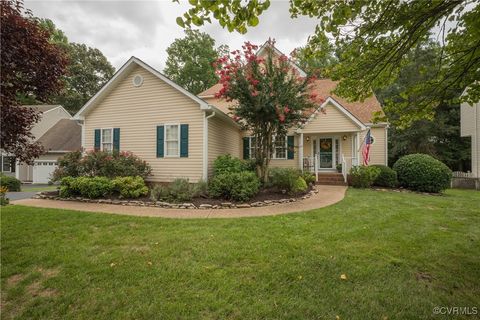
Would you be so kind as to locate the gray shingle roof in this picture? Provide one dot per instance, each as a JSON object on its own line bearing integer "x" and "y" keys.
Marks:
{"x": 65, "y": 135}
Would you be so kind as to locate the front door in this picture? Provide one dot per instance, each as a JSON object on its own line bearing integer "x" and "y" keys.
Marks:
{"x": 326, "y": 153}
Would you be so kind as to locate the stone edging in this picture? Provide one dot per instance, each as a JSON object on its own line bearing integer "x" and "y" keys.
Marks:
{"x": 159, "y": 204}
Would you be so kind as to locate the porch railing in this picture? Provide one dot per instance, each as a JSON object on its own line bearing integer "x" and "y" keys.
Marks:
{"x": 310, "y": 164}
{"x": 344, "y": 168}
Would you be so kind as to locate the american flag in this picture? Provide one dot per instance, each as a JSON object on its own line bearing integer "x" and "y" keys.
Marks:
{"x": 366, "y": 148}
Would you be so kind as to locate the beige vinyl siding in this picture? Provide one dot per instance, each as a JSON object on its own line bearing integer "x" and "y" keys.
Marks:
{"x": 467, "y": 119}
{"x": 47, "y": 120}
{"x": 137, "y": 111}
{"x": 470, "y": 127}
{"x": 223, "y": 138}
{"x": 378, "y": 148}
{"x": 333, "y": 120}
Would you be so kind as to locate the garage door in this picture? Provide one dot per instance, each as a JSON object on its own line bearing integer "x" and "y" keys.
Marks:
{"x": 42, "y": 171}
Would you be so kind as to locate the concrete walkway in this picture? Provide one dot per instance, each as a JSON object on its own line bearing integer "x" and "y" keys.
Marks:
{"x": 327, "y": 195}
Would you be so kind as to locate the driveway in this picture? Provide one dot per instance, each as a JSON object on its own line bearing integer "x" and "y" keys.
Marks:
{"x": 28, "y": 191}
{"x": 20, "y": 195}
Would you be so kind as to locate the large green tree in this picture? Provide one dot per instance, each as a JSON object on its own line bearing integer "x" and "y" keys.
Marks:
{"x": 376, "y": 37}
{"x": 190, "y": 60}
{"x": 30, "y": 66}
{"x": 439, "y": 135}
{"x": 88, "y": 70}
{"x": 318, "y": 63}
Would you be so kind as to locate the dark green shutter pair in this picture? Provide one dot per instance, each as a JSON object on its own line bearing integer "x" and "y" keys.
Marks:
{"x": 116, "y": 139}
{"x": 290, "y": 148}
{"x": 183, "y": 141}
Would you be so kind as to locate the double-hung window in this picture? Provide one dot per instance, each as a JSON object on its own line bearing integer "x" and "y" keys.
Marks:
{"x": 107, "y": 140}
{"x": 253, "y": 147}
{"x": 280, "y": 147}
{"x": 172, "y": 140}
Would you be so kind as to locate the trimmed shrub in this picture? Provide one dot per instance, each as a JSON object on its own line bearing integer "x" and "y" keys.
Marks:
{"x": 159, "y": 192}
{"x": 284, "y": 178}
{"x": 11, "y": 183}
{"x": 100, "y": 163}
{"x": 238, "y": 186}
{"x": 67, "y": 188}
{"x": 421, "y": 172}
{"x": 308, "y": 177}
{"x": 299, "y": 186}
{"x": 181, "y": 190}
{"x": 95, "y": 187}
{"x": 92, "y": 188}
{"x": 363, "y": 176}
{"x": 200, "y": 189}
{"x": 130, "y": 187}
{"x": 227, "y": 164}
{"x": 386, "y": 178}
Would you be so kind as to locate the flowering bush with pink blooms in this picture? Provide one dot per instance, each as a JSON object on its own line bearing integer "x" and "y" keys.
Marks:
{"x": 100, "y": 163}
{"x": 269, "y": 96}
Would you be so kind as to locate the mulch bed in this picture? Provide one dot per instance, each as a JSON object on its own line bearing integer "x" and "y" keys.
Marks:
{"x": 264, "y": 194}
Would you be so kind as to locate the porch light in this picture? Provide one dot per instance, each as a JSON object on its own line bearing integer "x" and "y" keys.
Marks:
{"x": 344, "y": 137}
{"x": 308, "y": 138}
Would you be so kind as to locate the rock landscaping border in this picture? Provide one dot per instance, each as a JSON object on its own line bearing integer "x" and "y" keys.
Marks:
{"x": 53, "y": 195}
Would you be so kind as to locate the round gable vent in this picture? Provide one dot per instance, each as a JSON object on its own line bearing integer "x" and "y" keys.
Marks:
{"x": 137, "y": 80}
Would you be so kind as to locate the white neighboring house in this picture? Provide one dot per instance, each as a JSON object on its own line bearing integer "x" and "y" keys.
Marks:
{"x": 470, "y": 127}
{"x": 51, "y": 115}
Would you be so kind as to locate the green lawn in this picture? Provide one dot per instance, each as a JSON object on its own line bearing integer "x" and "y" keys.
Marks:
{"x": 38, "y": 189}
{"x": 403, "y": 254}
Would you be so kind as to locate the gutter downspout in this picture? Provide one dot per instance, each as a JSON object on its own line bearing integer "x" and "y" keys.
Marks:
{"x": 205, "y": 145}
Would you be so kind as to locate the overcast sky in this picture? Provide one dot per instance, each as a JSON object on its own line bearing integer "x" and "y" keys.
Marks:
{"x": 121, "y": 29}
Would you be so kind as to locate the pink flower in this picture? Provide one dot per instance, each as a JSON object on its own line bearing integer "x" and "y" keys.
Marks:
{"x": 281, "y": 117}
{"x": 286, "y": 109}
{"x": 255, "y": 93}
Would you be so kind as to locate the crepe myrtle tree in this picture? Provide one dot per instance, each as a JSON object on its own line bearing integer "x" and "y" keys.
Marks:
{"x": 269, "y": 97}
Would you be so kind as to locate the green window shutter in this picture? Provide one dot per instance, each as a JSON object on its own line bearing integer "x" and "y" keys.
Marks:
{"x": 184, "y": 140}
{"x": 246, "y": 148}
{"x": 160, "y": 141}
{"x": 116, "y": 139}
{"x": 97, "y": 140}
{"x": 290, "y": 147}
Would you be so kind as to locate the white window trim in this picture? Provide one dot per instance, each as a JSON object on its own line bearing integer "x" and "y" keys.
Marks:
{"x": 165, "y": 140}
{"x": 274, "y": 157}
{"x": 250, "y": 155}
{"x": 10, "y": 171}
{"x": 101, "y": 138}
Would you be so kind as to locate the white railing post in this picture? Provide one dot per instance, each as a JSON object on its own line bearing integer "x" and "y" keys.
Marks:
{"x": 300, "y": 151}
{"x": 344, "y": 168}
{"x": 315, "y": 167}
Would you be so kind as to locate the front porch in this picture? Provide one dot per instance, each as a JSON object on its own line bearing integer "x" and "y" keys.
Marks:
{"x": 329, "y": 155}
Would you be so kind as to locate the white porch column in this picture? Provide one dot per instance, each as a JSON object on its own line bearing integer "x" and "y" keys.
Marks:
{"x": 300, "y": 151}
{"x": 357, "y": 153}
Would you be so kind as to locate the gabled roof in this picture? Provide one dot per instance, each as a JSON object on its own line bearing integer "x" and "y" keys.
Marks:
{"x": 45, "y": 107}
{"x": 65, "y": 135}
{"x": 121, "y": 74}
{"x": 347, "y": 113}
{"x": 362, "y": 111}
{"x": 279, "y": 53}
